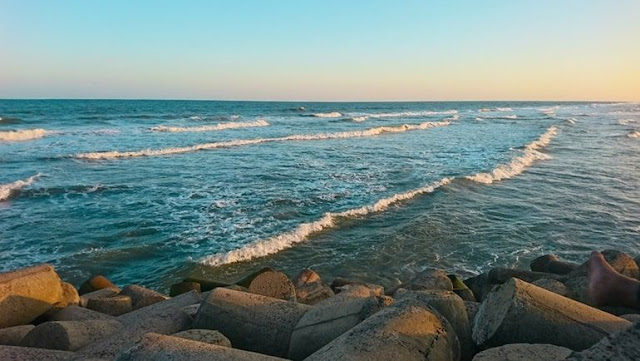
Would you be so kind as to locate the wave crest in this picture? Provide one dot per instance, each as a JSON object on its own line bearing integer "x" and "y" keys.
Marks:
{"x": 634, "y": 134}
{"x": 11, "y": 189}
{"x": 286, "y": 240}
{"x": 211, "y": 128}
{"x": 27, "y": 134}
{"x": 520, "y": 163}
{"x": 491, "y": 110}
{"x": 328, "y": 115}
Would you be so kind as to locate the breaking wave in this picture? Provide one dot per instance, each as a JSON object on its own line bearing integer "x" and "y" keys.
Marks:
{"x": 211, "y": 128}
{"x": 411, "y": 114}
{"x": 11, "y": 189}
{"x": 328, "y": 115}
{"x": 329, "y": 220}
{"x": 571, "y": 120}
{"x": 627, "y": 121}
{"x": 27, "y": 134}
{"x": 360, "y": 118}
{"x": 520, "y": 163}
{"x": 634, "y": 134}
{"x": 242, "y": 142}
{"x": 512, "y": 116}
{"x": 489, "y": 110}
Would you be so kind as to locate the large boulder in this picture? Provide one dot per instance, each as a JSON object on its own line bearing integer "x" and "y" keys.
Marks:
{"x": 142, "y": 297}
{"x": 310, "y": 289}
{"x": 28, "y": 293}
{"x": 18, "y": 353}
{"x": 114, "y": 306}
{"x": 212, "y": 337}
{"x": 95, "y": 283}
{"x": 69, "y": 335}
{"x": 273, "y": 284}
{"x": 621, "y": 346}
{"x": 12, "y": 336}
{"x": 524, "y": 352}
{"x": 77, "y": 313}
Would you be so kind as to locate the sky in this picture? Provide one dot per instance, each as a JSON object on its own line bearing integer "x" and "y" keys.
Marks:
{"x": 329, "y": 50}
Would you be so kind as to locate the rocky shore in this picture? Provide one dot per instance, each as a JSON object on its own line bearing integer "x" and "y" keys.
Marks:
{"x": 504, "y": 314}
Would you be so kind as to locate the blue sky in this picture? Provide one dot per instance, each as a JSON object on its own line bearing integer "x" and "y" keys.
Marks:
{"x": 321, "y": 50}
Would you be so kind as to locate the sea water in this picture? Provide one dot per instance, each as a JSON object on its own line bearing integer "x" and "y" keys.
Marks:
{"x": 149, "y": 192}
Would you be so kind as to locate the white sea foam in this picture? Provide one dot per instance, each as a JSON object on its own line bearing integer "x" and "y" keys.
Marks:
{"x": 634, "y": 134}
{"x": 490, "y": 110}
{"x": 511, "y": 116}
{"x": 360, "y": 118}
{"x": 265, "y": 247}
{"x": 211, "y": 128}
{"x": 19, "y": 135}
{"x": 328, "y": 115}
{"x": 10, "y": 189}
{"x": 571, "y": 120}
{"x": 242, "y": 142}
{"x": 518, "y": 164}
{"x": 627, "y": 121}
{"x": 411, "y": 114}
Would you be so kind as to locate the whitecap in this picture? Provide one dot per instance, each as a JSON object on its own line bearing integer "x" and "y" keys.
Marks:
{"x": 627, "y": 121}
{"x": 20, "y": 135}
{"x": 634, "y": 134}
{"x": 211, "y": 128}
{"x": 328, "y": 115}
{"x": 490, "y": 110}
{"x": 9, "y": 190}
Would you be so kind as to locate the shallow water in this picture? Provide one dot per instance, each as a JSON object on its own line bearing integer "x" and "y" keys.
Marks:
{"x": 152, "y": 191}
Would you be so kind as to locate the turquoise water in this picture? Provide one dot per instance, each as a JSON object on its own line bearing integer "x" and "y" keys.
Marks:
{"x": 152, "y": 191}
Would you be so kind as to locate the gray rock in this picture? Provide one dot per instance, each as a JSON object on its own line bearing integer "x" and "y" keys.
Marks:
{"x": 430, "y": 280}
{"x": 631, "y": 317}
{"x": 102, "y": 293}
{"x": 621, "y": 346}
{"x": 69, "y": 335}
{"x": 12, "y": 336}
{"x": 95, "y": 283}
{"x": 339, "y": 284}
{"x": 183, "y": 287}
{"x": 114, "y": 306}
{"x": 17, "y": 353}
{"x": 212, "y": 337}
{"x": 310, "y": 289}
{"x": 142, "y": 297}
{"x": 524, "y": 352}
{"x": 77, "y": 313}
{"x": 273, "y": 284}
{"x": 552, "y": 285}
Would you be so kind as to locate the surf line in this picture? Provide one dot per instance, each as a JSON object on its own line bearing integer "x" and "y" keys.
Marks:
{"x": 211, "y": 128}
{"x": 241, "y": 142}
{"x": 303, "y": 231}
{"x": 7, "y": 191}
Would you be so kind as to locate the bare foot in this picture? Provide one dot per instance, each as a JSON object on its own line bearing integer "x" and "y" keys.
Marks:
{"x": 602, "y": 280}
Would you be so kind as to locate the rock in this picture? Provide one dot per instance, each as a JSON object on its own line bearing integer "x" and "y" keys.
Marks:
{"x": 472, "y": 310}
{"x": 192, "y": 310}
{"x": 329, "y": 319}
{"x": 339, "y": 284}
{"x": 502, "y": 275}
{"x": 461, "y": 289}
{"x": 621, "y": 346}
{"x": 183, "y": 287}
{"x": 246, "y": 281}
{"x": 552, "y": 264}
{"x": 27, "y": 293}
{"x": 407, "y": 330}
{"x": 166, "y": 317}
{"x": 631, "y": 317}
{"x": 577, "y": 281}
{"x": 114, "y": 306}
{"x": 17, "y": 353}
{"x": 212, "y": 337}
{"x": 12, "y": 336}
{"x": 205, "y": 285}
{"x": 430, "y": 280}
{"x": 142, "y": 297}
{"x": 479, "y": 285}
{"x": 77, "y": 313}
{"x": 252, "y": 322}
{"x": 518, "y": 312}
{"x": 524, "y": 352}
{"x": 105, "y": 292}
{"x": 69, "y": 335}
{"x": 273, "y": 284}
{"x": 155, "y": 347}
{"x": 453, "y": 309}
{"x": 310, "y": 289}
{"x": 95, "y": 283}
{"x": 540, "y": 264}
{"x": 552, "y": 285}
{"x": 70, "y": 296}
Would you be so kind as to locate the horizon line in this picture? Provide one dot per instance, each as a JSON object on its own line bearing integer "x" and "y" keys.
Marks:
{"x": 331, "y": 101}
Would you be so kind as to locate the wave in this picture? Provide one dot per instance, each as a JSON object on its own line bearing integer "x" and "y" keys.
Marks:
{"x": 411, "y": 114}
{"x": 512, "y": 116}
{"x": 634, "y": 134}
{"x": 360, "y": 118}
{"x": 210, "y": 128}
{"x": 242, "y": 142}
{"x": 571, "y": 120}
{"x": 490, "y": 110}
{"x": 11, "y": 189}
{"x": 327, "y": 115}
{"x": 27, "y": 134}
{"x": 9, "y": 120}
{"x": 520, "y": 163}
{"x": 627, "y": 121}
{"x": 329, "y": 220}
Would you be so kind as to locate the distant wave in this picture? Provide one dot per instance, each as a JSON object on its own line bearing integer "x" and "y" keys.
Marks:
{"x": 329, "y": 220}
{"x": 512, "y": 116}
{"x": 328, "y": 115}
{"x": 242, "y": 142}
{"x": 634, "y": 134}
{"x": 550, "y": 112}
{"x": 490, "y": 110}
{"x": 520, "y": 163}
{"x": 11, "y": 189}
{"x": 211, "y": 128}
{"x": 627, "y": 121}
{"x": 360, "y": 119}
{"x": 27, "y": 134}
{"x": 411, "y": 114}
{"x": 571, "y": 120}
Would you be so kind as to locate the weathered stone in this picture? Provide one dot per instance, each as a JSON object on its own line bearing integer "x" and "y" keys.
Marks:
{"x": 142, "y": 297}
{"x": 252, "y": 322}
{"x": 540, "y": 264}
{"x": 430, "y": 280}
{"x": 461, "y": 289}
{"x": 273, "y": 284}
{"x": 166, "y": 317}
{"x": 28, "y": 293}
{"x": 69, "y": 335}
{"x": 77, "y": 313}
{"x": 329, "y": 319}
{"x": 578, "y": 280}
{"x": 12, "y": 336}
{"x": 518, "y": 311}
{"x": 408, "y": 330}
{"x": 70, "y": 296}
{"x": 114, "y": 306}
{"x": 102, "y": 293}
{"x": 310, "y": 289}
{"x": 620, "y": 346}
{"x": 95, "y": 283}
{"x": 524, "y": 352}
{"x": 246, "y": 281}
{"x": 552, "y": 285}
{"x": 305, "y": 277}
{"x": 472, "y": 309}
{"x": 339, "y": 284}
{"x": 631, "y": 317}
{"x": 502, "y": 275}
{"x": 479, "y": 285}
{"x": 205, "y": 285}
{"x": 552, "y": 264}
{"x": 155, "y": 347}
{"x": 184, "y": 287}
{"x": 17, "y": 353}
{"x": 451, "y": 307}
{"x": 192, "y": 310}
{"x": 212, "y": 337}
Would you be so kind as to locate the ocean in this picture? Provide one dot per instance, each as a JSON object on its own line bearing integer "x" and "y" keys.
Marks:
{"x": 150, "y": 192}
